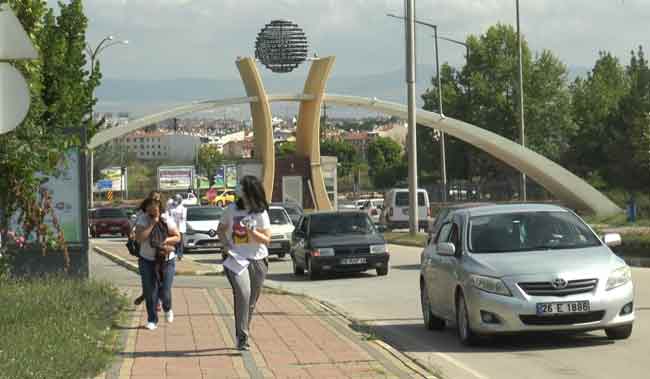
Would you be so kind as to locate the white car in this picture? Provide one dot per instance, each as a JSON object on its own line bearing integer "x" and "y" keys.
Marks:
{"x": 281, "y": 231}
{"x": 190, "y": 199}
{"x": 202, "y": 225}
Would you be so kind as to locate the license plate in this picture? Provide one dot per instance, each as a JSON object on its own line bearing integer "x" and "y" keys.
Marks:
{"x": 115, "y": 228}
{"x": 562, "y": 308}
{"x": 353, "y": 261}
{"x": 276, "y": 245}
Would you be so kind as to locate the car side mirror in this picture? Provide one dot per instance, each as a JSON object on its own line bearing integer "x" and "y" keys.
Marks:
{"x": 612, "y": 239}
{"x": 446, "y": 249}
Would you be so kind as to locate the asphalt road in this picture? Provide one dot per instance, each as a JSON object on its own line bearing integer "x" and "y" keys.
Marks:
{"x": 391, "y": 304}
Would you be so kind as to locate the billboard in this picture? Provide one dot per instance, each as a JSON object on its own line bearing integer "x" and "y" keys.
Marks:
{"x": 231, "y": 176}
{"x": 220, "y": 177}
{"x": 110, "y": 180}
{"x": 175, "y": 178}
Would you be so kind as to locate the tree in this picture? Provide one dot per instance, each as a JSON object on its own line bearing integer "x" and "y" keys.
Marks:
{"x": 484, "y": 93}
{"x": 594, "y": 100}
{"x": 286, "y": 149}
{"x": 385, "y": 161}
{"x": 61, "y": 99}
{"x": 210, "y": 158}
{"x": 345, "y": 152}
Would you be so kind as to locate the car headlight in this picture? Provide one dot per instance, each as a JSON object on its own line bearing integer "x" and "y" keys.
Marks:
{"x": 323, "y": 252}
{"x": 288, "y": 236}
{"x": 378, "y": 249}
{"x": 189, "y": 231}
{"x": 492, "y": 285}
{"x": 619, "y": 277}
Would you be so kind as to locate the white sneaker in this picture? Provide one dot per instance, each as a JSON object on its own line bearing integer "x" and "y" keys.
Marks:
{"x": 151, "y": 326}
{"x": 169, "y": 316}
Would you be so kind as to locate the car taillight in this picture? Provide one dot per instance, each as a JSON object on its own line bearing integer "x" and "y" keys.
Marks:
{"x": 390, "y": 212}
{"x": 428, "y": 212}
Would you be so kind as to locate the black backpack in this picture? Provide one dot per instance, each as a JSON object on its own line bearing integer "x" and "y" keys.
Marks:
{"x": 133, "y": 246}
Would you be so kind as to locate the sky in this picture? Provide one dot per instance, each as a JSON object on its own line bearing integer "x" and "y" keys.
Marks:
{"x": 170, "y": 39}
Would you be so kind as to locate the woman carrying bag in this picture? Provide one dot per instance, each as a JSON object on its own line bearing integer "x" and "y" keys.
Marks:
{"x": 245, "y": 230}
{"x": 157, "y": 237}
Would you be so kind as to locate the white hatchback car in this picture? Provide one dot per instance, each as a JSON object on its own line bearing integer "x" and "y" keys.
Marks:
{"x": 202, "y": 225}
{"x": 281, "y": 231}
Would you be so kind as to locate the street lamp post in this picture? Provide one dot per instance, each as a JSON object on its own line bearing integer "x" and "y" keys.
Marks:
{"x": 409, "y": 27}
{"x": 522, "y": 135}
{"x": 105, "y": 43}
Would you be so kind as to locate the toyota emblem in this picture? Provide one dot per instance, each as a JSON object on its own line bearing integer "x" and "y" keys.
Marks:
{"x": 212, "y": 233}
{"x": 559, "y": 283}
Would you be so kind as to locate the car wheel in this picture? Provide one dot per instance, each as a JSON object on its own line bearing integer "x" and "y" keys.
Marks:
{"x": 619, "y": 332}
{"x": 297, "y": 270}
{"x": 313, "y": 274}
{"x": 219, "y": 203}
{"x": 382, "y": 271}
{"x": 431, "y": 321}
{"x": 465, "y": 333}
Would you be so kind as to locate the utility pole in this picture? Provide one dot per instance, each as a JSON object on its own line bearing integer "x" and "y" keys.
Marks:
{"x": 409, "y": 26}
{"x": 522, "y": 135}
{"x": 443, "y": 155}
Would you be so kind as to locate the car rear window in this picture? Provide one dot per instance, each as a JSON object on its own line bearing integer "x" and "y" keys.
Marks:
{"x": 402, "y": 199}
{"x": 204, "y": 214}
{"x": 341, "y": 223}
{"x": 110, "y": 213}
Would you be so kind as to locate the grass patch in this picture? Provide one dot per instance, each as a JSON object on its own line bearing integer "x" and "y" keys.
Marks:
{"x": 57, "y": 328}
{"x": 419, "y": 240}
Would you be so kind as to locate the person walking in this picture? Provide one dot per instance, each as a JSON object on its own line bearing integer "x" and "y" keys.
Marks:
{"x": 136, "y": 218}
{"x": 245, "y": 229}
{"x": 157, "y": 236}
{"x": 178, "y": 213}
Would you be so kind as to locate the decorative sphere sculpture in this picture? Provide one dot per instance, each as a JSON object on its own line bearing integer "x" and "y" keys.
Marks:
{"x": 281, "y": 46}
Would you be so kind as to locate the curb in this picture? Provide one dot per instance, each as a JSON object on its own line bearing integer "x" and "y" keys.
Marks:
{"x": 410, "y": 363}
{"x": 133, "y": 267}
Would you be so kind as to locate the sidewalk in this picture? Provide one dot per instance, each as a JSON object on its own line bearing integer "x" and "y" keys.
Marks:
{"x": 292, "y": 337}
{"x": 118, "y": 253}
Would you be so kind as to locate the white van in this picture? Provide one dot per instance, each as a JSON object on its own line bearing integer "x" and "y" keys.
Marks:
{"x": 396, "y": 209}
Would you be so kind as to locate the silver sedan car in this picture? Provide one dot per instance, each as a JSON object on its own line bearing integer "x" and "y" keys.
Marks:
{"x": 524, "y": 268}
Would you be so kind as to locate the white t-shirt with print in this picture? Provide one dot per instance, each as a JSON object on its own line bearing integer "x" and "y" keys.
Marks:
{"x": 241, "y": 245}
{"x": 146, "y": 250}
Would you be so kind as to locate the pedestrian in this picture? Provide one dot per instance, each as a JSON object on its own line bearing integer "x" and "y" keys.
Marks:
{"x": 157, "y": 260}
{"x": 178, "y": 213}
{"x": 245, "y": 229}
{"x": 141, "y": 213}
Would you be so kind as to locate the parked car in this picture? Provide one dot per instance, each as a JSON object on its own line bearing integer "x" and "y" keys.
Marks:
{"x": 281, "y": 231}
{"x": 373, "y": 207}
{"x": 224, "y": 198}
{"x": 522, "y": 268}
{"x": 189, "y": 199}
{"x": 108, "y": 221}
{"x": 396, "y": 209}
{"x": 338, "y": 241}
{"x": 294, "y": 210}
{"x": 201, "y": 234}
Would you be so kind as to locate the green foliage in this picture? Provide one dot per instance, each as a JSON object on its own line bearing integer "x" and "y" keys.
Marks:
{"x": 484, "y": 93}
{"x": 209, "y": 159}
{"x": 347, "y": 156}
{"x": 286, "y": 149}
{"x": 57, "y": 328}
{"x": 387, "y": 164}
{"x": 61, "y": 100}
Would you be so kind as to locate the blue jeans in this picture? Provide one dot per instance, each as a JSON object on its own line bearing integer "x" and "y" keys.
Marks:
{"x": 154, "y": 290}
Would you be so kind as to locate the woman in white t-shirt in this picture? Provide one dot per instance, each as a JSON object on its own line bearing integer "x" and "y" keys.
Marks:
{"x": 245, "y": 230}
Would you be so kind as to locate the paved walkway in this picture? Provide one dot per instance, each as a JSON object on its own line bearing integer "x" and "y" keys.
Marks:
{"x": 292, "y": 337}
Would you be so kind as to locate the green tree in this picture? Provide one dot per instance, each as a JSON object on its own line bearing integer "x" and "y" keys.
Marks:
{"x": 385, "y": 161}
{"x": 484, "y": 93}
{"x": 594, "y": 100}
{"x": 209, "y": 160}
{"x": 347, "y": 155}
{"x": 61, "y": 99}
{"x": 286, "y": 149}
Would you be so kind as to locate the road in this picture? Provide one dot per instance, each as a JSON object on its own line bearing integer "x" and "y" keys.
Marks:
{"x": 391, "y": 304}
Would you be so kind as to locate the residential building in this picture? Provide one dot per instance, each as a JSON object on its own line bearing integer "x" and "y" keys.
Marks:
{"x": 160, "y": 146}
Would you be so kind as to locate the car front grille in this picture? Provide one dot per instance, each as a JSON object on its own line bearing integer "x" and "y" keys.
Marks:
{"x": 573, "y": 287}
{"x": 569, "y": 319}
{"x": 277, "y": 237}
{"x": 352, "y": 250}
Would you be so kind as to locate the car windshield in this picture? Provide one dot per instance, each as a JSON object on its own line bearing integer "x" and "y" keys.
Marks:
{"x": 204, "y": 214}
{"x": 341, "y": 223}
{"x": 529, "y": 231}
{"x": 402, "y": 199}
{"x": 110, "y": 213}
{"x": 278, "y": 217}
{"x": 292, "y": 211}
